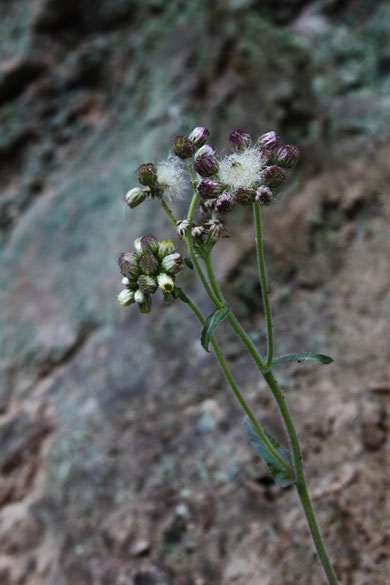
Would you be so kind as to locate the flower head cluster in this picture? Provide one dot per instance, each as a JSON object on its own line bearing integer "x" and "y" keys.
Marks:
{"x": 153, "y": 265}
{"x": 252, "y": 172}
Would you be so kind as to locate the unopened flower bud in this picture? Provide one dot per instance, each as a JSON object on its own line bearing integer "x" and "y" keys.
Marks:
{"x": 166, "y": 283}
{"x": 239, "y": 140}
{"x": 166, "y": 247}
{"x": 288, "y": 156}
{"x": 197, "y": 231}
{"x": 199, "y": 136}
{"x": 182, "y": 226}
{"x": 172, "y": 263}
{"x": 135, "y": 197}
{"x": 146, "y": 306}
{"x": 264, "y": 195}
{"x": 183, "y": 147}
{"x": 206, "y": 165}
{"x": 147, "y": 174}
{"x": 274, "y": 177}
{"x": 149, "y": 244}
{"x": 266, "y": 155}
{"x": 224, "y": 204}
{"x": 209, "y": 188}
{"x": 269, "y": 139}
{"x": 147, "y": 284}
{"x": 245, "y": 196}
{"x": 215, "y": 227}
{"x": 205, "y": 149}
{"x": 128, "y": 265}
{"x": 137, "y": 244}
{"x": 126, "y": 297}
{"x": 125, "y": 281}
{"x": 148, "y": 263}
{"x": 139, "y": 296}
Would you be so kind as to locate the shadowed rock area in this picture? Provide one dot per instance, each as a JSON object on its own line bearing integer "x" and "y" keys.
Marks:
{"x": 123, "y": 455}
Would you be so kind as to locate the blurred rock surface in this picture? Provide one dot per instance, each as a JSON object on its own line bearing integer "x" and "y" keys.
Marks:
{"x": 122, "y": 456}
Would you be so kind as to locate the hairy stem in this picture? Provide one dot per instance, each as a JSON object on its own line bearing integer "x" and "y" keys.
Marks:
{"x": 234, "y": 386}
{"x": 190, "y": 244}
{"x": 263, "y": 281}
{"x": 231, "y": 317}
{"x": 169, "y": 213}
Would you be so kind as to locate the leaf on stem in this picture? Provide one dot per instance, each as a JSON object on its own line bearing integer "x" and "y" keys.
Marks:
{"x": 211, "y": 322}
{"x": 282, "y": 474}
{"x": 317, "y": 358}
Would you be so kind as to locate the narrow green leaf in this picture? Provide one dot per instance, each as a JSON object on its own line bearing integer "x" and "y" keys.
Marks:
{"x": 317, "y": 358}
{"x": 211, "y": 322}
{"x": 282, "y": 475}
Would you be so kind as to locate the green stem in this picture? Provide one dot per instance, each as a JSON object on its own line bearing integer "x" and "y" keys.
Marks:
{"x": 234, "y": 386}
{"x": 263, "y": 281}
{"x": 300, "y": 479}
{"x": 293, "y": 438}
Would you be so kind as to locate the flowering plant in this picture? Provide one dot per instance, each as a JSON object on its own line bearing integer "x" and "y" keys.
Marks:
{"x": 250, "y": 176}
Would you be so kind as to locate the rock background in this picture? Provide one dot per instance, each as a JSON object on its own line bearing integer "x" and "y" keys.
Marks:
{"x": 123, "y": 459}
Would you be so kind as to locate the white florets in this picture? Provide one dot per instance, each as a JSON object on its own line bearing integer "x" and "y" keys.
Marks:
{"x": 172, "y": 178}
{"x": 241, "y": 169}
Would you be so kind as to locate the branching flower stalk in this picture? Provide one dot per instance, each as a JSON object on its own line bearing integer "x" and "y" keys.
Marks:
{"x": 251, "y": 176}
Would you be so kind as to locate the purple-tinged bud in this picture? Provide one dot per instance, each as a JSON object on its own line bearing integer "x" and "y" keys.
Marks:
{"x": 239, "y": 140}
{"x": 147, "y": 284}
{"x": 149, "y": 244}
{"x": 128, "y": 265}
{"x": 224, "y": 203}
{"x": 209, "y": 188}
{"x": 148, "y": 263}
{"x": 245, "y": 196}
{"x": 199, "y": 136}
{"x": 269, "y": 139}
{"x": 206, "y": 165}
{"x": 288, "y": 156}
{"x": 206, "y": 149}
{"x": 197, "y": 231}
{"x": 215, "y": 228}
{"x": 147, "y": 174}
{"x": 146, "y": 306}
{"x": 134, "y": 197}
{"x": 264, "y": 195}
{"x": 274, "y": 177}
{"x": 172, "y": 263}
{"x": 166, "y": 247}
{"x": 266, "y": 155}
{"x": 182, "y": 226}
{"x": 183, "y": 147}
{"x": 126, "y": 297}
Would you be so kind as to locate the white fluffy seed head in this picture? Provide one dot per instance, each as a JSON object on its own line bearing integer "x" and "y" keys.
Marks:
{"x": 241, "y": 169}
{"x": 172, "y": 179}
